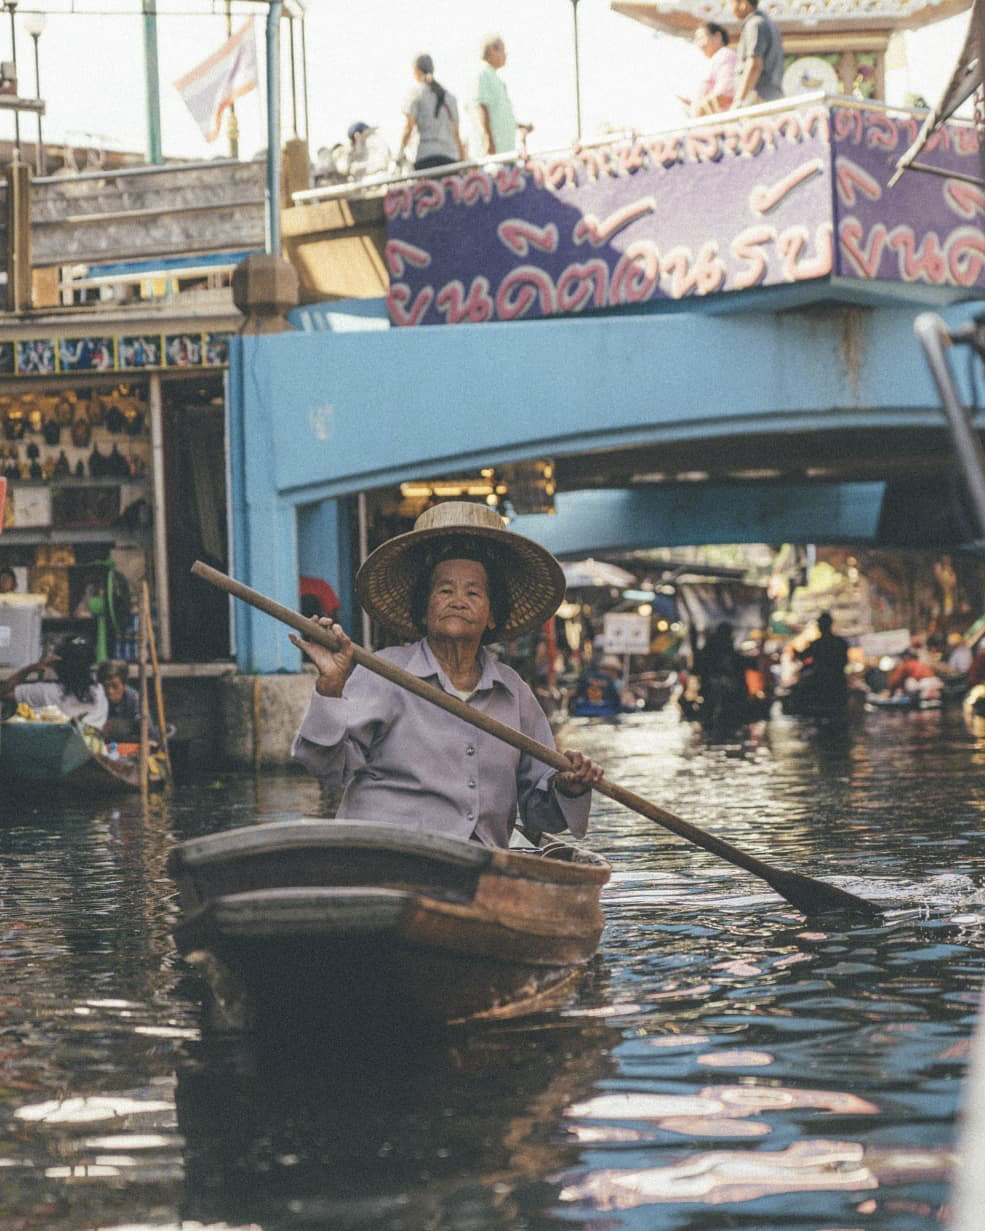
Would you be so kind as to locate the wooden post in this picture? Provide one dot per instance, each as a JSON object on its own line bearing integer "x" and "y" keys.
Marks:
{"x": 162, "y": 725}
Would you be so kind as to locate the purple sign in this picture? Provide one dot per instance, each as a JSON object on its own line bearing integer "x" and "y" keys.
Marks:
{"x": 926, "y": 228}
{"x": 737, "y": 204}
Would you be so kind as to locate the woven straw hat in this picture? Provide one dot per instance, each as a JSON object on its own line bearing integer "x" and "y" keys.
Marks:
{"x": 534, "y": 578}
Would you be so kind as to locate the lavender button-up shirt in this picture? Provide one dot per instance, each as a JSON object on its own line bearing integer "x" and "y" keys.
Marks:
{"x": 403, "y": 760}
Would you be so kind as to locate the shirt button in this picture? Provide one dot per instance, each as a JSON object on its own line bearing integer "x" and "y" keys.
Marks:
{"x": 470, "y": 816}
{"x": 472, "y": 783}
{"x": 470, "y": 750}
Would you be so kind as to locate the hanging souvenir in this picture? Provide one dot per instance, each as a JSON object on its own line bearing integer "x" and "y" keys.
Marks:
{"x": 97, "y": 463}
{"x": 80, "y": 469}
{"x": 81, "y": 430}
{"x": 35, "y": 471}
{"x": 34, "y": 423}
{"x": 13, "y": 428}
{"x": 61, "y": 469}
{"x": 114, "y": 419}
{"x": 52, "y": 431}
{"x": 64, "y": 412}
{"x": 116, "y": 464}
{"x": 134, "y": 421}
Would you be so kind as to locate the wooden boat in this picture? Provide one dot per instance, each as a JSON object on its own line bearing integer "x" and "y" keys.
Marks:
{"x": 360, "y": 922}
{"x": 44, "y": 755}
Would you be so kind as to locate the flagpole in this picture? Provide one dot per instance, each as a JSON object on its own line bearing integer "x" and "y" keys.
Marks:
{"x": 273, "y": 127}
{"x": 152, "y": 82}
{"x": 232, "y": 124}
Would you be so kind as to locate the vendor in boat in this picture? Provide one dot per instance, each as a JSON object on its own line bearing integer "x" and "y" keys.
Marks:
{"x": 72, "y": 691}
{"x": 458, "y": 580}
{"x": 122, "y": 704}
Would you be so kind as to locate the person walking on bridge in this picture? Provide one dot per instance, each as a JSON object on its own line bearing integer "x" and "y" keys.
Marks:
{"x": 759, "y": 56}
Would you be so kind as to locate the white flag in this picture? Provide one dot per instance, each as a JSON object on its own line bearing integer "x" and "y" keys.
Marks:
{"x": 217, "y": 82}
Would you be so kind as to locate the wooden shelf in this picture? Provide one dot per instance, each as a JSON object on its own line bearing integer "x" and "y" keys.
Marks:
{"x": 21, "y": 536}
{"x": 72, "y": 481}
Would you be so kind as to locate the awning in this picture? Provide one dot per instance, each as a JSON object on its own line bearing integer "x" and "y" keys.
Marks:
{"x": 965, "y": 80}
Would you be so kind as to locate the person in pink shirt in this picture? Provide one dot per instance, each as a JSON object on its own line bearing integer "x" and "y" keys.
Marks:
{"x": 717, "y": 87}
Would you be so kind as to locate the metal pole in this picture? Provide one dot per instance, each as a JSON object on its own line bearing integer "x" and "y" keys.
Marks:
{"x": 304, "y": 74}
{"x": 152, "y": 83}
{"x": 40, "y": 162}
{"x": 574, "y": 14}
{"x": 273, "y": 127}
{"x": 294, "y": 84}
{"x": 934, "y": 337}
{"x": 11, "y": 9}
{"x": 232, "y": 123}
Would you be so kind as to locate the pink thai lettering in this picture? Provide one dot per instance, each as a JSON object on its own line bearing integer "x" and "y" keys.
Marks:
{"x": 731, "y": 135}
{"x": 587, "y": 161}
{"x": 864, "y": 258}
{"x": 755, "y": 136}
{"x": 521, "y": 289}
{"x": 849, "y": 176}
{"x": 790, "y": 127}
{"x": 398, "y": 251}
{"x": 909, "y": 128}
{"x": 882, "y": 133}
{"x": 398, "y": 203}
{"x": 764, "y": 197}
{"x": 704, "y": 275}
{"x": 520, "y": 236}
{"x": 701, "y": 145}
{"x": 848, "y": 125}
{"x": 535, "y": 170}
{"x": 456, "y": 307}
{"x": 966, "y": 139}
{"x": 561, "y": 173}
{"x": 637, "y": 274}
{"x": 965, "y": 251}
{"x": 939, "y": 139}
{"x": 966, "y": 200}
{"x": 709, "y": 269}
{"x": 476, "y": 186}
{"x": 632, "y": 158}
{"x": 665, "y": 151}
{"x": 429, "y": 195}
{"x": 918, "y": 263}
{"x": 748, "y": 246}
{"x": 399, "y": 296}
{"x": 509, "y": 180}
{"x": 590, "y": 230}
{"x": 792, "y": 242}
{"x": 580, "y": 285}
{"x": 817, "y": 123}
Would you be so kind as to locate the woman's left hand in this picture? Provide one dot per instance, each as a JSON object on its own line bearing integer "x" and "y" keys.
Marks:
{"x": 579, "y": 778}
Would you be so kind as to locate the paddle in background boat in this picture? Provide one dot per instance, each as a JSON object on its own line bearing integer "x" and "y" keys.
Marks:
{"x": 808, "y": 895}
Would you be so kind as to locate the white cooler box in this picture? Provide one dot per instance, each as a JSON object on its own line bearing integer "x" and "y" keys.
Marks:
{"x": 20, "y": 629}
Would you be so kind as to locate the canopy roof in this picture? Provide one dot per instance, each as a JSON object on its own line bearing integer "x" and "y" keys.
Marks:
{"x": 801, "y": 16}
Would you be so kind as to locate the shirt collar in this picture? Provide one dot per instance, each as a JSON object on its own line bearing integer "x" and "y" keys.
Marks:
{"x": 423, "y": 663}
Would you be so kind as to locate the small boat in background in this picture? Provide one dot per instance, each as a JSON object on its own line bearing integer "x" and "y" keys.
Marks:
{"x": 342, "y": 924}
{"x": 55, "y": 755}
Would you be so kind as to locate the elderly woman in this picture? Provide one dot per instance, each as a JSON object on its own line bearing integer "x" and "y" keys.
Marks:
{"x": 457, "y": 580}
{"x": 72, "y": 689}
{"x": 432, "y": 110}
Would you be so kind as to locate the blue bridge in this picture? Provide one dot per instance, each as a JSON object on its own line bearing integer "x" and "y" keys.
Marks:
{"x": 705, "y": 336}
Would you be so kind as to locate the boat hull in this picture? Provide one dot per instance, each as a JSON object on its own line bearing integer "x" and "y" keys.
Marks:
{"x": 47, "y": 755}
{"x": 363, "y": 922}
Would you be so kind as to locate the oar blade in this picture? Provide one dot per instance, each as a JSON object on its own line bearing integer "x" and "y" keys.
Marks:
{"x": 812, "y": 897}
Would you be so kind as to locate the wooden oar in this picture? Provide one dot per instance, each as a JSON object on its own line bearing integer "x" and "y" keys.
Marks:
{"x": 811, "y": 896}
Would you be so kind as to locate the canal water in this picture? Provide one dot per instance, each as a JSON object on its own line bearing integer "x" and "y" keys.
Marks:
{"x": 724, "y": 1064}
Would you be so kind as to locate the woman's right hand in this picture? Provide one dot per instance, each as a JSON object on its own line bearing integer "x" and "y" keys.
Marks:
{"x": 333, "y": 666}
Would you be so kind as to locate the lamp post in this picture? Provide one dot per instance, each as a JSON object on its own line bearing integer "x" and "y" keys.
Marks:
{"x": 34, "y": 25}
{"x": 574, "y": 15}
{"x": 11, "y": 7}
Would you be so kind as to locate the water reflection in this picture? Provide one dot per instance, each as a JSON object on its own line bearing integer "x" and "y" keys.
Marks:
{"x": 725, "y": 1063}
